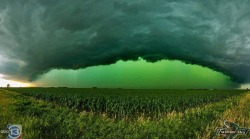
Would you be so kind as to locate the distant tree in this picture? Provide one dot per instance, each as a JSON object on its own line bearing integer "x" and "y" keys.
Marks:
{"x": 8, "y": 85}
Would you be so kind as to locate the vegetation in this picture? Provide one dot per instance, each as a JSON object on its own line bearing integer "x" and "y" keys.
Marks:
{"x": 53, "y": 119}
{"x": 121, "y": 103}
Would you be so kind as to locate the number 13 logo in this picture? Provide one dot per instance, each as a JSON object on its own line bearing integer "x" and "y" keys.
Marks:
{"x": 15, "y": 131}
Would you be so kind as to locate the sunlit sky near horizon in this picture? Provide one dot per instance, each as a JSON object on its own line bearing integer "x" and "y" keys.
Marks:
{"x": 3, "y": 83}
{"x": 160, "y": 75}
{"x": 138, "y": 74}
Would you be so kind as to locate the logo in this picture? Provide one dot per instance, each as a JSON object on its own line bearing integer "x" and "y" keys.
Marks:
{"x": 231, "y": 130}
{"x": 15, "y": 131}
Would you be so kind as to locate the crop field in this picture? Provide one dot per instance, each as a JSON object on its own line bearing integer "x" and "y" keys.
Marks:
{"x": 122, "y": 103}
{"x": 123, "y": 113}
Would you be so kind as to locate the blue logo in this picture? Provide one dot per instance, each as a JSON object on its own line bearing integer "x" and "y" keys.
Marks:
{"x": 15, "y": 131}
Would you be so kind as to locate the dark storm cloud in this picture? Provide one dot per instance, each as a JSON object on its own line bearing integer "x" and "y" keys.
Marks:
{"x": 39, "y": 35}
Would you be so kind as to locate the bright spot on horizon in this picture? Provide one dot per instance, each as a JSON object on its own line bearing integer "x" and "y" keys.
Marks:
{"x": 245, "y": 86}
{"x": 3, "y": 83}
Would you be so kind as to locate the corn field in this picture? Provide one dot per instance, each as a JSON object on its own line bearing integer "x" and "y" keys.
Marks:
{"x": 123, "y": 103}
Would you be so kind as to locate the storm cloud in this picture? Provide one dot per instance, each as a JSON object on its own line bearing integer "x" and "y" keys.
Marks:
{"x": 39, "y": 35}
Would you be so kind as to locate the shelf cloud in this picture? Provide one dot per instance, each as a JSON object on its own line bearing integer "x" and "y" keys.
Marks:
{"x": 39, "y": 35}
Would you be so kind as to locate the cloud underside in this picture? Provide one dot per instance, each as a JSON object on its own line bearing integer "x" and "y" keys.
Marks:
{"x": 40, "y": 35}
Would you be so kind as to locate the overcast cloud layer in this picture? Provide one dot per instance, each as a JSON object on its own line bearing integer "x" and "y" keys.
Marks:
{"x": 39, "y": 35}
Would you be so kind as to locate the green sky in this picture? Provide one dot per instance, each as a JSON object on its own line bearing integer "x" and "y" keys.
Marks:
{"x": 138, "y": 74}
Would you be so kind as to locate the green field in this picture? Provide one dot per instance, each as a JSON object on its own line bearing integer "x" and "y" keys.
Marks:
{"x": 121, "y": 113}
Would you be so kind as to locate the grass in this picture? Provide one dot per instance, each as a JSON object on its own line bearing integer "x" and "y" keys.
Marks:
{"x": 41, "y": 119}
{"x": 128, "y": 104}
{"x": 239, "y": 113}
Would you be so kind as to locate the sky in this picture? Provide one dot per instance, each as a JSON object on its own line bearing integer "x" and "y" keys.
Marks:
{"x": 126, "y": 43}
{"x": 12, "y": 83}
{"x": 139, "y": 74}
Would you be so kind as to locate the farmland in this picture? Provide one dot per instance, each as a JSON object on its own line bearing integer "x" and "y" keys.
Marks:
{"x": 122, "y": 113}
{"x": 122, "y": 103}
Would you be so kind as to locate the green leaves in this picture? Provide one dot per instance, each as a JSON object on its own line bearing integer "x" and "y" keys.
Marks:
{"x": 122, "y": 103}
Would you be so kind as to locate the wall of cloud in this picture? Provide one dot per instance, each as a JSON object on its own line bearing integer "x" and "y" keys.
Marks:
{"x": 39, "y": 35}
